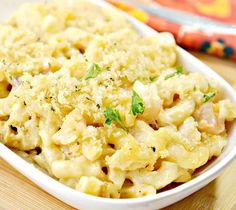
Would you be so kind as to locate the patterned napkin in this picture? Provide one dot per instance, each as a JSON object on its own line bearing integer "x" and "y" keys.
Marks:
{"x": 219, "y": 43}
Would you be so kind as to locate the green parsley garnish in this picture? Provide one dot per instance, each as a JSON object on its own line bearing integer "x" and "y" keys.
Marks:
{"x": 207, "y": 97}
{"x": 137, "y": 104}
{"x": 113, "y": 115}
{"x": 179, "y": 70}
{"x": 152, "y": 79}
{"x": 92, "y": 71}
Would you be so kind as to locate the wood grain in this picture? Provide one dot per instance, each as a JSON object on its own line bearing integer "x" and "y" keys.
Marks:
{"x": 18, "y": 193}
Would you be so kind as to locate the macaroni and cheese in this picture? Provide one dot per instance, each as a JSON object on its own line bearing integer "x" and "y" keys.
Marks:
{"x": 100, "y": 108}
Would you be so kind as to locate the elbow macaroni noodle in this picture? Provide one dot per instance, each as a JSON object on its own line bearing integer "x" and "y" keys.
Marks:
{"x": 54, "y": 118}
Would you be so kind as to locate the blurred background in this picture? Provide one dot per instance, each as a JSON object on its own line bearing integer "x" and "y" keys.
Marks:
{"x": 208, "y": 26}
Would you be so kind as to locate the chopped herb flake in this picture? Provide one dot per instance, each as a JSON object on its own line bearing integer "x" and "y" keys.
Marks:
{"x": 207, "y": 97}
{"x": 152, "y": 79}
{"x": 137, "y": 104}
{"x": 179, "y": 70}
{"x": 92, "y": 71}
{"x": 113, "y": 115}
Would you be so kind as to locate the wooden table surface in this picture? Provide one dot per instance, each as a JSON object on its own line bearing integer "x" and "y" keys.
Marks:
{"x": 18, "y": 193}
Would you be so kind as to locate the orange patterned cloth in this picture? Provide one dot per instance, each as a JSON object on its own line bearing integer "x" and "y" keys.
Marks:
{"x": 219, "y": 44}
